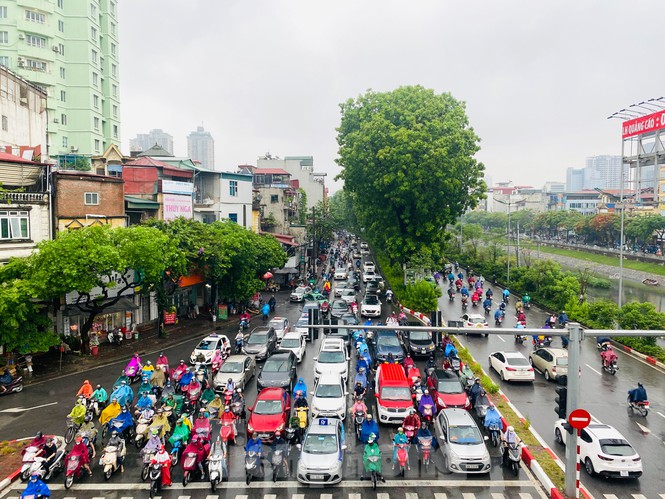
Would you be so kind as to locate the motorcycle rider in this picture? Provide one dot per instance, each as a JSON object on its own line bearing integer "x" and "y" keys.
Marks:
{"x": 100, "y": 396}
{"x": 85, "y": 390}
{"x": 49, "y": 453}
{"x": 412, "y": 419}
{"x": 638, "y": 394}
{"x": 254, "y": 444}
{"x": 426, "y": 399}
{"x": 358, "y": 406}
{"x": 277, "y": 444}
{"x": 77, "y": 414}
{"x": 81, "y": 450}
{"x": 482, "y": 399}
{"x": 400, "y": 438}
{"x": 487, "y": 304}
{"x": 450, "y": 350}
{"x": 160, "y": 423}
{"x": 164, "y": 458}
{"x": 521, "y": 316}
{"x": 507, "y": 438}
{"x": 89, "y": 427}
{"x": 158, "y": 378}
{"x": 526, "y": 299}
{"x": 423, "y": 432}
{"x": 148, "y": 370}
{"x": 475, "y": 391}
{"x": 359, "y": 390}
{"x": 489, "y": 294}
{"x": 389, "y": 296}
{"x": 492, "y": 417}
{"x": 163, "y": 362}
{"x": 227, "y": 417}
{"x": 5, "y": 380}
{"x": 499, "y": 314}
{"x": 110, "y": 411}
{"x": 300, "y": 386}
{"x": 563, "y": 319}
{"x": 301, "y": 400}
{"x": 145, "y": 402}
{"x": 608, "y": 356}
{"x": 466, "y": 374}
{"x": 187, "y": 377}
{"x": 153, "y": 443}
{"x": 197, "y": 447}
{"x": 368, "y": 429}
{"x": 237, "y": 397}
{"x": 408, "y": 363}
{"x": 361, "y": 378}
{"x": 603, "y": 341}
{"x": 123, "y": 394}
{"x": 118, "y": 442}
{"x": 431, "y": 364}
{"x": 451, "y": 293}
{"x": 506, "y": 295}
{"x": 36, "y": 488}
{"x": 135, "y": 362}
{"x": 372, "y": 449}
{"x": 215, "y": 405}
{"x": 125, "y": 420}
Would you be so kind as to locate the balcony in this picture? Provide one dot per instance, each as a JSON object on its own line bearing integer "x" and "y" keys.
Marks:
{"x": 24, "y": 197}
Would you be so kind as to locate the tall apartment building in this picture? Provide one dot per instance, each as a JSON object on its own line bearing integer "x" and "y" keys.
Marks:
{"x": 201, "y": 147}
{"x": 144, "y": 141}
{"x": 608, "y": 168}
{"x": 70, "y": 49}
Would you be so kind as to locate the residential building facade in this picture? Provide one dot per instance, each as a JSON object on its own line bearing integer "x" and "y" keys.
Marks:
{"x": 235, "y": 202}
{"x": 201, "y": 147}
{"x": 144, "y": 141}
{"x": 300, "y": 168}
{"x": 70, "y": 49}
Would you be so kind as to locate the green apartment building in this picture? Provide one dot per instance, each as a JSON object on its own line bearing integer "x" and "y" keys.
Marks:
{"x": 70, "y": 49}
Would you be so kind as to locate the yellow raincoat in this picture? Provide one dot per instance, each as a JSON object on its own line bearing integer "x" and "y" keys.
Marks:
{"x": 110, "y": 412}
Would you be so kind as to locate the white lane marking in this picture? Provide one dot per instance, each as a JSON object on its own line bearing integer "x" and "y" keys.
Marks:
{"x": 597, "y": 372}
{"x": 496, "y": 495}
{"x": 440, "y": 495}
{"x": 212, "y": 497}
{"x": 184, "y": 497}
{"x": 594, "y": 418}
{"x": 644, "y": 429}
{"x": 411, "y": 495}
{"x": 499, "y": 336}
{"x": 662, "y": 416}
{"x": 524, "y": 495}
{"x": 610, "y": 496}
{"x": 23, "y": 409}
{"x": 467, "y": 495}
{"x": 323, "y": 496}
{"x": 241, "y": 497}
{"x": 382, "y": 495}
{"x": 351, "y": 496}
{"x": 270, "y": 496}
{"x": 302, "y": 496}
{"x": 639, "y": 496}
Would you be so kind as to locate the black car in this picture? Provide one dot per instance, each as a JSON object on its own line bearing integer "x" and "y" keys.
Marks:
{"x": 349, "y": 318}
{"x": 418, "y": 343}
{"x": 352, "y": 282}
{"x": 372, "y": 288}
{"x": 278, "y": 371}
{"x": 261, "y": 343}
{"x": 339, "y": 308}
{"x": 386, "y": 343}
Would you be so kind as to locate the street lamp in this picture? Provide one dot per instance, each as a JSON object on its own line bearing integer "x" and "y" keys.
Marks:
{"x": 621, "y": 205}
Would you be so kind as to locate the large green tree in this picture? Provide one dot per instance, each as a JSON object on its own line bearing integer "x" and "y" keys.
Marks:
{"x": 408, "y": 164}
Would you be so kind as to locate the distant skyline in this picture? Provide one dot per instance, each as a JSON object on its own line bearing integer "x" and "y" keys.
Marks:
{"x": 539, "y": 79}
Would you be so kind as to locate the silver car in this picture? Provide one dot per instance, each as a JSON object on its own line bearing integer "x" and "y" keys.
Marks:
{"x": 462, "y": 443}
{"x": 240, "y": 368}
{"x": 322, "y": 453}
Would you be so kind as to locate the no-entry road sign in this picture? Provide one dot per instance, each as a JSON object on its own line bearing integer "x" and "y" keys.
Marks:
{"x": 579, "y": 419}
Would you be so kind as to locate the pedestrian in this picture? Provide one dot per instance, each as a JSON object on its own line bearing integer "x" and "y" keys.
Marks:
{"x": 272, "y": 302}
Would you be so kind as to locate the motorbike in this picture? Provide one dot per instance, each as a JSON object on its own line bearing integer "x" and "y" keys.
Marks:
{"x": 253, "y": 466}
{"x": 474, "y": 303}
{"x": 227, "y": 396}
{"x": 358, "y": 420}
{"x": 527, "y": 305}
{"x": 240, "y": 341}
{"x": 29, "y": 458}
{"x": 14, "y": 386}
{"x": 402, "y": 458}
{"x": 175, "y": 452}
{"x": 506, "y": 299}
{"x": 301, "y": 413}
{"x": 389, "y": 297}
{"x": 512, "y": 455}
{"x": 292, "y": 436}
{"x": 155, "y": 475}
{"x": 488, "y": 310}
{"x": 481, "y": 411}
{"x": 190, "y": 466}
{"x": 216, "y": 467}
{"x": 147, "y": 459}
{"x": 244, "y": 324}
{"x": 237, "y": 409}
{"x": 115, "y": 337}
{"x": 611, "y": 368}
{"x": 641, "y": 407}
{"x": 109, "y": 461}
{"x": 373, "y": 468}
{"x": 451, "y": 295}
{"x": 142, "y": 426}
{"x": 464, "y": 302}
{"x": 495, "y": 433}
{"x": 425, "y": 451}
{"x": 134, "y": 371}
{"x": 410, "y": 432}
{"x": 427, "y": 413}
{"x": 73, "y": 470}
{"x": 278, "y": 464}
{"x": 228, "y": 432}
{"x": 521, "y": 338}
{"x": 498, "y": 320}
{"x": 456, "y": 364}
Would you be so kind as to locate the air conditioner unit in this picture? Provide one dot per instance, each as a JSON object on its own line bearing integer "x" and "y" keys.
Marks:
{"x": 56, "y": 49}
{"x": 74, "y": 149}
{"x": 56, "y": 120}
{"x": 21, "y": 36}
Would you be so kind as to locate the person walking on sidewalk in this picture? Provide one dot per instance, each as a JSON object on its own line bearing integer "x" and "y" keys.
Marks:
{"x": 265, "y": 311}
{"x": 272, "y": 302}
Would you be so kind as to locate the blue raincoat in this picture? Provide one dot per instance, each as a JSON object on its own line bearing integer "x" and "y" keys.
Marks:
{"x": 125, "y": 418}
{"x": 123, "y": 394}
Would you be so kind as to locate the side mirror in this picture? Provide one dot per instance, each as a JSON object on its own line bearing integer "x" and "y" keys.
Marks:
{"x": 442, "y": 438}
{"x": 299, "y": 446}
{"x": 346, "y": 394}
{"x": 311, "y": 393}
{"x": 486, "y": 438}
{"x": 315, "y": 358}
{"x": 344, "y": 447}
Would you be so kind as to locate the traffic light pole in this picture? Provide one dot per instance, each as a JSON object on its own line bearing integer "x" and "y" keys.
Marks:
{"x": 572, "y": 403}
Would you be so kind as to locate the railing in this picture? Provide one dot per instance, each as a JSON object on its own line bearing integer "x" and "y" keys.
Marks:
{"x": 24, "y": 197}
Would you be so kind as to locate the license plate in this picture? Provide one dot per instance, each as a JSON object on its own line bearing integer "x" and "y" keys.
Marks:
{"x": 623, "y": 473}
{"x": 472, "y": 467}
{"x": 264, "y": 435}
{"x": 316, "y": 477}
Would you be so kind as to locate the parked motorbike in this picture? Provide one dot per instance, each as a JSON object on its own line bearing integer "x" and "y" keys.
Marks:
{"x": 641, "y": 407}
{"x": 253, "y": 466}
{"x": 512, "y": 455}
{"x": 14, "y": 386}
{"x": 402, "y": 458}
{"x": 425, "y": 452}
{"x": 115, "y": 337}
{"x": 110, "y": 460}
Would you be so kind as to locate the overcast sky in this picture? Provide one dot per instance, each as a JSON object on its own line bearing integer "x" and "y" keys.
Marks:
{"x": 539, "y": 78}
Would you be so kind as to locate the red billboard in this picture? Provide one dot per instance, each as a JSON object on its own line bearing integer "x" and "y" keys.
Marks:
{"x": 643, "y": 124}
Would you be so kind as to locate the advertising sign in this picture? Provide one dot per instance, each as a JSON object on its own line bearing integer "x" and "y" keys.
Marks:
{"x": 175, "y": 187}
{"x": 222, "y": 312}
{"x": 169, "y": 318}
{"x": 177, "y": 206}
{"x": 112, "y": 283}
{"x": 643, "y": 124}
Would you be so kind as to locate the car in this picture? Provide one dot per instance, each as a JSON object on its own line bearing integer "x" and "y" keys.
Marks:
{"x": 461, "y": 442}
{"x": 329, "y": 398}
{"x": 321, "y": 460}
{"x": 348, "y": 295}
{"x": 552, "y": 362}
{"x": 332, "y": 359}
{"x": 369, "y": 276}
{"x": 279, "y": 370}
{"x": 364, "y": 252}
{"x": 339, "y": 308}
{"x": 281, "y": 326}
{"x": 294, "y": 342}
{"x": 353, "y": 282}
{"x": 349, "y": 318}
{"x": 371, "y": 306}
{"x": 474, "y": 321}
{"x": 511, "y": 366}
{"x": 205, "y": 350}
{"x": 363, "y": 246}
{"x": 314, "y": 296}
{"x": 356, "y": 254}
{"x": 369, "y": 266}
{"x": 385, "y": 343}
{"x": 309, "y": 305}
{"x": 299, "y": 293}
{"x": 262, "y": 342}
{"x": 603, "y": 451}
{"x": 301, "y": 328}
{"x": 339, "y": 288}
{"x": 240, "y": 368}
{"x": 447, "y": 390}
{"x": 372, "y": 287}
{"x": 418, "y": 343}
{"x": 340, "y": 274}
{"x": 269, "y": 413}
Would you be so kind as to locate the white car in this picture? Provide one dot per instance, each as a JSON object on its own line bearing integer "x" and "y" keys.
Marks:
{"x": 301, "y": 326}
{"x": 603, "y": 451}
{"x": 369, "y": 266}
{"x": 281, "y": 325}
{"x": 329, "y": 398}
{"x": 363, "y": 245}
{"x": 296, "y": 343}
{"x": 339, "y": 288}
{"x": 332, "y": 359}
{"x": 474, "y": 321}
{"x": 341, "y": 274}
{"x": 512, "y": 366}
{"x": 299, "y": 293}
{"x": 348, "y": 295}
{"x": 205, "y": 350}
{"x": 371, "y": 306}
{"x": 321, "y": 459}
{"x": 369, "y": 276}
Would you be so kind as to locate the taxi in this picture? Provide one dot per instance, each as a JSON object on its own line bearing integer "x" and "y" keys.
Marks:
{"x": 322, "y": 453}
{"x": 281, "y": 325}
{"x": 205, "y": 350}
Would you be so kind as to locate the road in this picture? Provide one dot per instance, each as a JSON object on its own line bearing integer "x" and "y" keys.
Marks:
{"x": 603, "y": 395}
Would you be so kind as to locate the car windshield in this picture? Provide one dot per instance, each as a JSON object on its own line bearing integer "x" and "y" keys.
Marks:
{"x": 302, "y": 322}
{"x": 290, "y": 343}
{"x": 348, "y": 292}
{"x": 276, "y": 324}
{"x": 371, "y": 300}
{"x": 476, "y": 320}
{"x": 448, "y": 385}
{"x": 257, "y": 339}
{"x": 231, "y": 367}
{"x": 276, "y": 365}
{"x": 420, "y": 336}
{"x": 332, "y": 357}
{"x": 616, "y": 447}
{"x": 206, "y": 345}
{"x": 341, "y": 305}
{"x": 265, "y": 407}
{"x": 395, "y": 393}
{"x": 517, "y": 361}
{"x": 320, "y": 444}
{"x": 388, "y": 341}
{"x": 329, "y": 391}
{"x": 465, "y": 435}
{"x": 300, "y": 291}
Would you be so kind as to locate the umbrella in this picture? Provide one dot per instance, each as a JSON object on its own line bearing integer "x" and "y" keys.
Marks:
{"x": 267, "y": 275}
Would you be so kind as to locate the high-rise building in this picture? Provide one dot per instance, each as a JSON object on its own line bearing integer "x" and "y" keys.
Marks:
{"x": 70, "y": 49}
{"x": 144, "y": 141}
{"x": 574, "y": 179}
{"x": 608, "y": 168}
{"x": 201, "y": 147}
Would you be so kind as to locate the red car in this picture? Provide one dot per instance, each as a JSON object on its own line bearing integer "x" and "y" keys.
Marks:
{"x": 269, "y": 414}
{"x": 447, "y": 390}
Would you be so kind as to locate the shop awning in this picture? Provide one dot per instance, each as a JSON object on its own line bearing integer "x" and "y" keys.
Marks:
{"x": 122, "y": 305}
{"x": 140, "y": 203}
{"x": 289, "y": 267}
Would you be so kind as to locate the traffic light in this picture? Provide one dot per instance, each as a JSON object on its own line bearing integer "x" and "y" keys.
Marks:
{"x": 561, "y": 399}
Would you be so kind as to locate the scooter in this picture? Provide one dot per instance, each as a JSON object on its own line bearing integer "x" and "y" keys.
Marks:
{"x": 456, "y": 364}
{"x": 134, "y": 371}
{"x": 495, "y": 433}
{"x": 488, "y": 310}
{"x": 611, "y": 368}
{"x": 228, "y": 432}
{"x": 142, "y": 426}
{"x": 175, "y": 452}
{"x": 402, "y": 458}
{"x": 427, "y": 413}
{"x": 464, "y": 302}
{"x": 498, "y": 320}
{"x": 301, "y": 413}
{"x": 147, "y": 459}
{"x": 109, "y": 461}
{"x": 641, "y": 407}
{"x": 155, "y": 475}
{"x": 237, "y": 409}
{"x": 374, "y": 463}
{"x": 410, "y": 432}
{"x": 277, "y": 461}
{"x": 189, "y": 466}
{"x": 14, "y": 386}
{"x": 29, "y": 458}
{"x": 481, "y": 411}
{"x": 512, "y": 455}
{"x": 425, "y": 451}
{"x": 451, "y": 296}
{"x": 216, "y": 466}
{"x": 73, "y": 470}
{"x": 521, "y": 338}
{"x": 358, "y": 420}
{"x": 244, "y": 324}
{"x": 115, "y": 337}
{"x": 240, "y": 342}
{"x": 253, "y": 466}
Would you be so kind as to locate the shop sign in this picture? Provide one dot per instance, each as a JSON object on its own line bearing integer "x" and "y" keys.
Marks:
{"x": 222, "y": 312}
{"x": 169, "y": 318}
{"x": 177, "y": 206}
{"x": 175, "y": 187}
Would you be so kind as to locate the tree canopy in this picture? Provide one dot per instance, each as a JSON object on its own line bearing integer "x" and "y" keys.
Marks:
{"x": 408, "y": 165}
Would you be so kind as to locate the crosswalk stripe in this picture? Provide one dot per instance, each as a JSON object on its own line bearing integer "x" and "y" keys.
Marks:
{"x": 351, "y": 496}
{"x": 467, "y": 495}
{"x": 212, "y": 497}
{"x": 524, "y": 495}
{"x": 270, "y": 496}
{"x": 326, "y": 496}
{"x": 241, "y": 497}
{"x": 184, "y": 497}
{"x": 496, "y": 495}
{"x": 639, "y": 496}
{"x": 298, "y": 496}
{"x": 440, "y": 495}
{"x": 382, "y": 495}
{"x": 411, "y": 495}
{"x": 610, "y": 496}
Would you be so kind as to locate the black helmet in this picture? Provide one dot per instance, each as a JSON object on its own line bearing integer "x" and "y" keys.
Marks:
{"x": 40, "y": 434}
{"x": 88, "y": 418}
{"x": 639, "y": 385}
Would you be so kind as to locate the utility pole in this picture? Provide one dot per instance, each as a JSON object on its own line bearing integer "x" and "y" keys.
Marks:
{"x": 572, "y": 401}
{"x": 518, "y": 244}
{"x": 314, "y": 256}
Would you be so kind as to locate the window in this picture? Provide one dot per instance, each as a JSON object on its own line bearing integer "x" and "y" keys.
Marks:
{"x": 113, "y": 28}
{"x": 115, "y": 131}
{"x": 5, "y": 123}
{"x": 114, "y": 90}
{"x": 62, "y": 73}
{"x": 14, "y": 224}
{"x": 93, "y": 33}
{"x": 61, "y": 26}
{"x": 35, "y": 41}
{"x": 115, "y": 111}
{"x": 93, "y": 10}
{"x": 36, "y": 65}
{"x": 61, "y": 49}
{"x": 97, "y": 144}
{"x": 4, "y": 60}
{"x": 35, "y": 17}
{"x": 113, "y": 48}
{"x": 3, "y": 12}
{"x": 91, "y": 198}
{"x": 63, "y": 119}
{"x": 64, "y": 142}
{"x": 233, "y": 217}
{"x": 95, "y": 79}
{"x": 4, "y": 37}
{"x": 95, "y": 123}
{"x": 94, "y": 56}
{"x": 274, "y": 198}
{"x": 113, "y": 8}
{"x": 95, "y": 101}
{"x": 114, "y": 70}
{"x": 61, "y": 3}
{"x": 63, "y": 96}
{"x": 233, "y": 188}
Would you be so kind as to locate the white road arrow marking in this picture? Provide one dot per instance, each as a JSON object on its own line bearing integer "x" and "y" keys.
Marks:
{"x": 644, "y": 429}
{"x": 15, "y": 410}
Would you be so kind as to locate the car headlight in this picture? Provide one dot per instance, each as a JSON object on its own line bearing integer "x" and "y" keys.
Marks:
{"x": 280, "y": 427}
{"x": 250, "y": 429}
